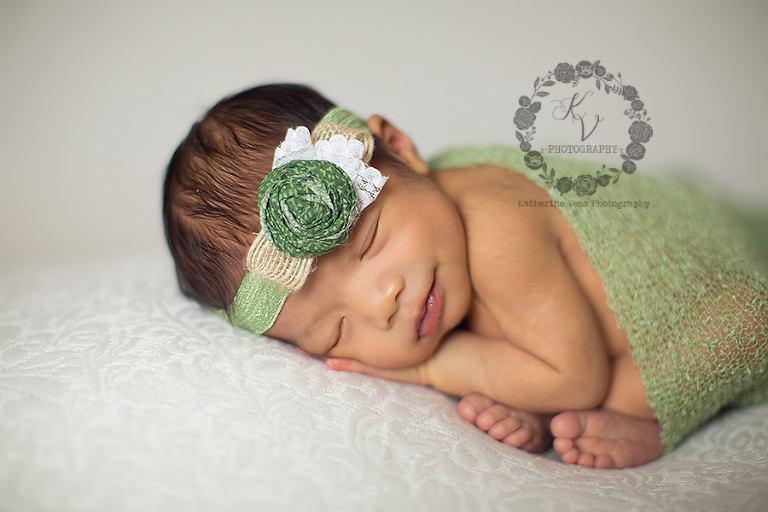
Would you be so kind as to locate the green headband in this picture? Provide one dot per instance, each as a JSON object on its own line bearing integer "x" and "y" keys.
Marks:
{"x": 318, "y": 187}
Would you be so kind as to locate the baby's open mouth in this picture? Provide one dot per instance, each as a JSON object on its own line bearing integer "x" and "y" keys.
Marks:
{"x": 430, "y": 315}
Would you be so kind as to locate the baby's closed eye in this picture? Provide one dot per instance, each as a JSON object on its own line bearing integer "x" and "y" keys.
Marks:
{"x": 370, "y": 239}
{"x": 339, "y": 332}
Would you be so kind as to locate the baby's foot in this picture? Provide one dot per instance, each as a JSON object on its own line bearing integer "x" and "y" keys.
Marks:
{"x": 602, "y": 438}
{"x": 516, "y": 428}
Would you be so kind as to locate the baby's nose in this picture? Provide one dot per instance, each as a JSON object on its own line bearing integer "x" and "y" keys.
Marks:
{"x": 380, "y": 300}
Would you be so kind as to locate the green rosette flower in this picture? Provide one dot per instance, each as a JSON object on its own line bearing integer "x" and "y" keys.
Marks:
{"x": 307, "y": 207}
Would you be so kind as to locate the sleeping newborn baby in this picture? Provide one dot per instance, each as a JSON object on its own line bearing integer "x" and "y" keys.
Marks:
{"x": 614, "y": 332}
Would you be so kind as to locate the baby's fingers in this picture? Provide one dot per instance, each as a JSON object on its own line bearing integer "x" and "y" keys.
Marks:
{"x": 352, "y": 365}
{"x": 342, "y": 365}
{"x": 411, "y": 374}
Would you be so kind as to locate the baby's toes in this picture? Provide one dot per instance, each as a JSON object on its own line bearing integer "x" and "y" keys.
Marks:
{"x": 492, "y": 416}
{"x": 565, "y": 447}
{"x": 586, "y": 460}
{"x": 520, "y": 438}
{"x": 505, "y": 428}
{"x": 603, "y": 461}
{"x": 472, "y": 405}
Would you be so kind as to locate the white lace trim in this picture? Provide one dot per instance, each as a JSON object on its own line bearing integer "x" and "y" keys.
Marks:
{"x": 347, "y": 154}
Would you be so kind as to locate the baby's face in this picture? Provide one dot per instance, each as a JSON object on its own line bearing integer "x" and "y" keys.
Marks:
{"x": 400, "y": 283}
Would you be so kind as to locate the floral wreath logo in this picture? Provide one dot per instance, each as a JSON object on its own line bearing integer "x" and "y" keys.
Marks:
{"x": 640, "y": 132}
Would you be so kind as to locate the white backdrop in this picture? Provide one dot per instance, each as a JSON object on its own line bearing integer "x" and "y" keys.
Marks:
{"x": 94, "y": 96}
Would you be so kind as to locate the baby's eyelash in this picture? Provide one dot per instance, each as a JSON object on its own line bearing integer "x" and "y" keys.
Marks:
{"x": 370, "y": 239}
{"x": 338, "y": 334}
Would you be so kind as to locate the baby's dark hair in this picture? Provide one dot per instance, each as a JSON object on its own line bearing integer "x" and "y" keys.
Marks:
{"x": 211, "y": 185}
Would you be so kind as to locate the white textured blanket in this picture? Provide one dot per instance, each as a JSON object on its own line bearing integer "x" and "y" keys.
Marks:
{"x": 116, "y": 393}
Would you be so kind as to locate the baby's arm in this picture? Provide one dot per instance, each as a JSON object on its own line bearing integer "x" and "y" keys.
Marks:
{"x": 468, "y": 362}
{"x": 547, "y": 354}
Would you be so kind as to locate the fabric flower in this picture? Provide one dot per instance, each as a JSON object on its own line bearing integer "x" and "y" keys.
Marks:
{"x": 307, "y": 207}
{"x": 345, "y": 153}
{"x": 314, "y": 194}
{"x": 296, "y": 146}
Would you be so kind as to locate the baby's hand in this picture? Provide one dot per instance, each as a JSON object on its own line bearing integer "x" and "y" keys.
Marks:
{"x": 413, "y": 374}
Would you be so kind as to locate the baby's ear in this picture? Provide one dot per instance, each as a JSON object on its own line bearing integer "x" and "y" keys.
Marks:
{"x": 398, "y": 143}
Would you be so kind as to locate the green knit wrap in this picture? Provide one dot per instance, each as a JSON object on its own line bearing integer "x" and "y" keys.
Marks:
{"x": 683, "y": 279}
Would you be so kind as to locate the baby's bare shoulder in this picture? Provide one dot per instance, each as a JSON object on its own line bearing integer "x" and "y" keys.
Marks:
{"x": 482, "y": 178}
{"x": 492, "y": 198}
